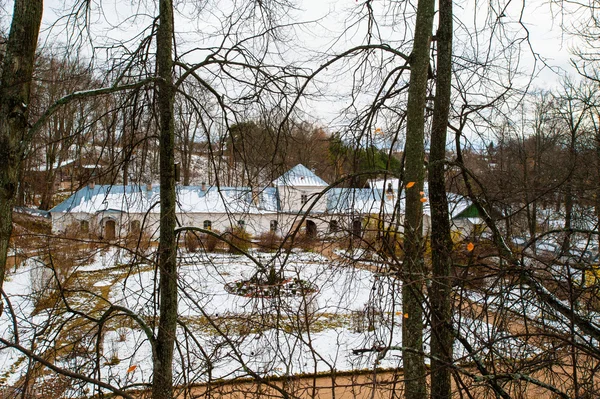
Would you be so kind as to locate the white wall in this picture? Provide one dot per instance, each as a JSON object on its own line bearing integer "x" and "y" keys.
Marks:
{"x": 291, "y": 198}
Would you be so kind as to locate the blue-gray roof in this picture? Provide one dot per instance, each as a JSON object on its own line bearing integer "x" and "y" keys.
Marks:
{"x": 191, "y": 199}
{"x": 357, "y": 200}
{"x": 300, "y": 176}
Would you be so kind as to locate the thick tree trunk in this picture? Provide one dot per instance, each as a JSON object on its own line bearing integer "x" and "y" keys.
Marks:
{"x": 15, "y": 84}
{"x": 441, "y": 242}
{"x": 597, "y": 193}
{"x": 413, "y": 267}
{"x": 162, "y": 383}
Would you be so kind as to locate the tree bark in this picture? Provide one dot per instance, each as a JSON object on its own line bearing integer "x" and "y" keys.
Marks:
{"x": 162, "y": 383}
{"x": 15, "y": 85}
{"x": 569, "y": 202}
{"x": 413, "y": 267}
{"x": 441, "y": 242}
{"x": 596, "y": 115}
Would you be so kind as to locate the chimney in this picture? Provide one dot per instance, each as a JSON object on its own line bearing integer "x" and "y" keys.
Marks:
{"x": 203, "y": 186}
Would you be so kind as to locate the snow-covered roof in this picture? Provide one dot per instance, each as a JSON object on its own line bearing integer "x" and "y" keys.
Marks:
{"x": 456, "y": 203}
{"x": 190, "y": 199}
{"x": 300, "y": 176}
{"x": 56, "y": 165}
{"x": 193, "y": 199}
{"x": 358, "y": 200}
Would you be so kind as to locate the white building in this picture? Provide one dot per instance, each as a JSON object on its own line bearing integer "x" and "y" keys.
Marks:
{"x": 297, "y": 199}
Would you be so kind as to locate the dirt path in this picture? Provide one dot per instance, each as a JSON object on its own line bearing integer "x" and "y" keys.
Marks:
{"x": 344, "y": 386}
{"x": 358, "y": 385}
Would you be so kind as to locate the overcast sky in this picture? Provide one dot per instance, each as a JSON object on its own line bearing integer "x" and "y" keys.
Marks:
{"x": 340, "y": 24}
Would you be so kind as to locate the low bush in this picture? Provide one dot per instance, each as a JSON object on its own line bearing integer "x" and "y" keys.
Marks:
{"x": 239, "y": 240}
{"x": 270, "y": 241}
{"x": 209, "y": 242}
{"x": 301, "y": 241}
{"x": 307, "y": 243}
{"x": 192, "y": 241}
{"x": 195, "y": 241}
{"x": 138, "y": 242}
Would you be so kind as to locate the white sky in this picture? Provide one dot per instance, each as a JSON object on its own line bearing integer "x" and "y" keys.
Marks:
{"x": 335, "y": 17}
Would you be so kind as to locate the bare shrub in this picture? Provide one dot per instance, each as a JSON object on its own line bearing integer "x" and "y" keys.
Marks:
{"x": 210, "y": 242}
{"x": 138, "y": 242}
{"x": 269, "y": 241}
{"x": 192, "y": 241}
{"x": 239, "y": 239}
{"x": 74, "y": 231}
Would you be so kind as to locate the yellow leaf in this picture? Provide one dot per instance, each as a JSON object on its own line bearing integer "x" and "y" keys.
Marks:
{"x": 131, "y": 368}
{"x": 422, "y": 192}
{"x": 406, "y": 315}
{"x": 410, "y": 184}
{"x": 470, "y": 246}
{"x": 423, "y": 199}
{"x": 398, "y": 313}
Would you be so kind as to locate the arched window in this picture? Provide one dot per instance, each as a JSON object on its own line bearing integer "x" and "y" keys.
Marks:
{"x": 207, "y": 225}
{"x": 242, "y": 224}
{"x": 333, "y": 226}
{"x": 273, "y": 225}
{"x": 303, "y": 198}
{"x": 311, "y": 229}
{"x": 135, "y": 226}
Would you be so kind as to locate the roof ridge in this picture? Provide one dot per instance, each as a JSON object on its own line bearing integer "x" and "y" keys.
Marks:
{"x": 300, "y": 175}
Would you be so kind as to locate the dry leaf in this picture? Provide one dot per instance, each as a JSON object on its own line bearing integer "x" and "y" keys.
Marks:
{"x": 131, "y": 368}
{"x": 410, "y": 184}
{"x": 470, "y": 246}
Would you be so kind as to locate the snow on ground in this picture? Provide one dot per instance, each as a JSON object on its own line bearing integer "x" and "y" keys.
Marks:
{"x": 224, "y": 335}
{"x": 19, "y": 289}
{"x": 250, "y": 340}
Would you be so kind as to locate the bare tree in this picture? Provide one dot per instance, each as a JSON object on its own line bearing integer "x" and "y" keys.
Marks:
{"x": 15, "y": 85}
{"x": 413, "y": 267}
{"x": 441, "y": 242}
{"x": 162, "y": 383}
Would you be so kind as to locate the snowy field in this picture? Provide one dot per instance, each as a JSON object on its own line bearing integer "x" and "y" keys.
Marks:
{"x": 221, "y": 335}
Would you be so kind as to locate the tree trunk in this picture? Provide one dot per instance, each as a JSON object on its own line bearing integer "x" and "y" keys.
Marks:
{"x": 569, "y": 201}
{"x": 15, "y": 84}
{"x": 162, "y": 383}
{"x": 597, "y": 148}
{"x": 48, "y": 190}
{"x": 441, "y": 241}
{"x": 413, "y": 267}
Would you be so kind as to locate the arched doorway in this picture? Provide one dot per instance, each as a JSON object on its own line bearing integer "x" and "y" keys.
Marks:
{"x": 357, "y": 228}
{"x": 311, "y": 229}
{"x": 110, "y": 229}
